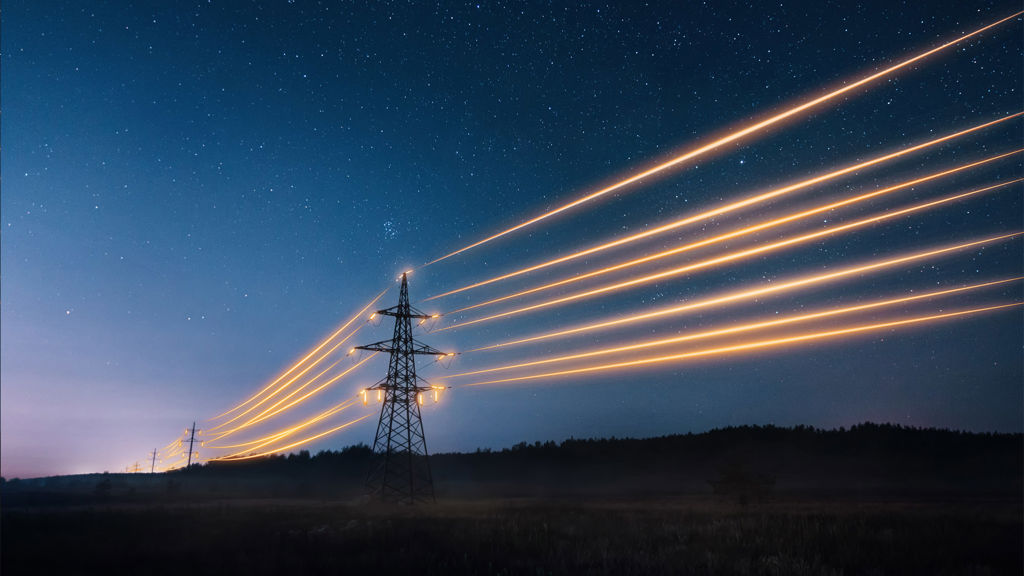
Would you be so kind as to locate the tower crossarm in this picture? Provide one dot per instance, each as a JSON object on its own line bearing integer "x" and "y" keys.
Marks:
{"x": 418, "y": 348}
{"x": 382, "y": 346}
{"x": 397, "y": 312}
{"x": 420, "y": 385}
{"x": 387, "y": 347}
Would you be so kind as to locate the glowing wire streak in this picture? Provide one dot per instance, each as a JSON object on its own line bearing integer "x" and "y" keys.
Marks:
{"x": 269, "y": 412}
{"x": 285, "y": 386}
{"x": 170, "y": 445}
{"x": 175, "y": 447}
{"x": 754, "y": 345}
{"x": 172, "y": 464}
{"x": 288, "y": 431}
{"x": 730, "y": 257}
{"x": 307, "y": 357}
{"x": 733, "y": 234}
{"x": 254, "y": 420}
{"x": 707, "y": 214}
{"x": 304, "y": 440}
{"x": 743, "y": 327}
{"x": 731, "y": 137}
{"x": 291, "y": 431}
{"x": 753, "y": 293}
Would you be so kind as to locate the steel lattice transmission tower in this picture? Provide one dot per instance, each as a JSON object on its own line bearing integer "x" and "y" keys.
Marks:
{"x": 401, "y": 473}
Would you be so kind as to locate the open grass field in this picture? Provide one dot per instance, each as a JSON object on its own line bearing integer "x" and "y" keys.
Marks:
{"x": 872, "y": 500}
{"x": 694, "y": 535}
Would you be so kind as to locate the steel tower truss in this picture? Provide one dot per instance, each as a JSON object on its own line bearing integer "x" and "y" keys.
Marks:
{"x": 401, "y": 473}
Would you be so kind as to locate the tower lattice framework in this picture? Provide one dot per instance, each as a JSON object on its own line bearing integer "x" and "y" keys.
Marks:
{"x": 401, "y": 472}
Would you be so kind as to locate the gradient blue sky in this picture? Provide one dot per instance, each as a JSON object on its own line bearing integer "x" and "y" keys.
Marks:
{"x": 193, "y": 195}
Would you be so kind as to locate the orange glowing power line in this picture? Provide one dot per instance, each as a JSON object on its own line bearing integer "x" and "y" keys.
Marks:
{"x": 732, "y": 257}
{"x": 307, "y": 357}
{"x": 731, "y": 137}
{"x": 760, "y": 344}
{"x": 748, "y": 327}
{"x": 731, "y": 207}
{"x": 303, "y": 441}
{"x": 170, "y": 445}
{"x": 287, "y": 431}
{"x": 274, "y": 410}
{"x": 285, "y": 386}
{"x": 735, "y": 233}
{"x": 770, "y": 288}
{"x": 267, "y": 440}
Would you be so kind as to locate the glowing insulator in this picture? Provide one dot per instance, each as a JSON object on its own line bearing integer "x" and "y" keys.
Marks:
{"x": 437, "y": 395}
{"x": 363, "y": 393}
{"x": 380, "y": 395}
{"x": 419, "y": 398}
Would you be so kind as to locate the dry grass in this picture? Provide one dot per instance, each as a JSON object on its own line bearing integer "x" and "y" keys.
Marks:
{"x": 684, "y": 536}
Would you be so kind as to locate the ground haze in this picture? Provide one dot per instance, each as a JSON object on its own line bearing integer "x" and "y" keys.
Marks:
{"x": 751, "y": 500}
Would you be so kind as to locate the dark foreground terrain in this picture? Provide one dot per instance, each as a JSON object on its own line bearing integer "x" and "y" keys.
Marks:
{"x": 872, "y": 500}
{"x": 680, "y": 537}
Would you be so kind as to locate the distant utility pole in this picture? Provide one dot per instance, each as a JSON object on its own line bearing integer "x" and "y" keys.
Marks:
{"x": 191, "y": 441}
{"x": 402, "y": 471}
{"x": 152, "y": 462}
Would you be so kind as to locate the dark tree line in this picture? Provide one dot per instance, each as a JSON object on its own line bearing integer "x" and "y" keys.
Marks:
{"x": 867, "y": 459}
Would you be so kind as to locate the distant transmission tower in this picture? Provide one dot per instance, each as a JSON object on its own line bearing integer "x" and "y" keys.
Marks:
{"x": 191, "y": 443}
{"x": 401, "y": 473}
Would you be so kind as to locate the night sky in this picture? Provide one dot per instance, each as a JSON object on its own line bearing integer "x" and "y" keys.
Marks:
{"x": 194, "y": 196}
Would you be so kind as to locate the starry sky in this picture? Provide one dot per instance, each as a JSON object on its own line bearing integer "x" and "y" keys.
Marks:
{"x": 193, "y": 195}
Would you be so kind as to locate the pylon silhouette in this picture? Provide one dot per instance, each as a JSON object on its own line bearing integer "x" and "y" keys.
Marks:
{"x": 401, "y": 472}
